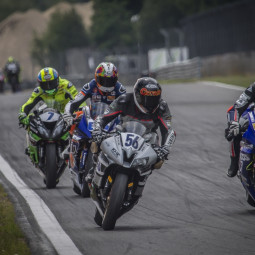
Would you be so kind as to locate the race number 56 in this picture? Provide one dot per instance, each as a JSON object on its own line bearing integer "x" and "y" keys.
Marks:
{"x": 132, "y": 140}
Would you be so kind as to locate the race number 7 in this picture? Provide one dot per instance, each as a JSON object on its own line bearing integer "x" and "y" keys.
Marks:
{"x": 50, "y": 115}
{"x": 131, "y": 140}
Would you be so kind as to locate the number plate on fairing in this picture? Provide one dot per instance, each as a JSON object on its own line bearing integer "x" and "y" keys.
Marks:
{"x": 49, "y": 116}
{"x": 130, "y": 140}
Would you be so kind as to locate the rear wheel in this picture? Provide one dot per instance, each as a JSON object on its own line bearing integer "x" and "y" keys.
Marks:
{"x": 51, "y": 166}
{"x": 249, "y": 199}
{"x": 115, "y": 201}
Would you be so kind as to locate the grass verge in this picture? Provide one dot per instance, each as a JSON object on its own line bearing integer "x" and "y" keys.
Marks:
{"x": 12, "y": 240}
{"x": 239, "y": 80}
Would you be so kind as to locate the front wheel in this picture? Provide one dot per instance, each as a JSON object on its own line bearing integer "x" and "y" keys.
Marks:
{"x": 115, "y": 201}
{"x": 51, "y": 166}
{"x": 85, "y": 191}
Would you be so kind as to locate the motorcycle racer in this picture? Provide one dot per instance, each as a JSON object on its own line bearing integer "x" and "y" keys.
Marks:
{"x": 232, "y": 133}
{"x": 12, "y": 70}
{"x": 52, "y": 90}
{"x": 146, "y": 106}
{"x": 105, "y": 88}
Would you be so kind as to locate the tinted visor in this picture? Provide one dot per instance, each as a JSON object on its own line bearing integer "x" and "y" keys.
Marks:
{"x": 107, "y": 82}
{"x": 49, "y": 85}
{"x": 150, "y": 102}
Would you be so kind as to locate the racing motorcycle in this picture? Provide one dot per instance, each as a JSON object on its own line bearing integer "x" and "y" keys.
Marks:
{"x": 247, "y": 153}
{"x": 124, "y": 164}
{"x": 12, "y": 73}
{"x": 82, "y": 135}
{"x": 47, "y": 137}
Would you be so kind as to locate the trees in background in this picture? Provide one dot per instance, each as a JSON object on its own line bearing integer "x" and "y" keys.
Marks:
{"x": 7, "y": 7}
{"x": 64, "y": 31}
{"x": 118, "y": 26}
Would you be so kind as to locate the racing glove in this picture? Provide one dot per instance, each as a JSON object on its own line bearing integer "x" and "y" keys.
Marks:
{"x": 162, "y": 151}
{"x": 97, "y": 135}
{"x": 233, "y": 130}
{"x": 23, "y": 119}
{"x": 68, "y": 119}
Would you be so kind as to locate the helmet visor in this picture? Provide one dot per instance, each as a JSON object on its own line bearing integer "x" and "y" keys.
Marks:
{"x": 150, "y": 103}
{"x": 107, "y": 82}
{"x": 49, "y": 85}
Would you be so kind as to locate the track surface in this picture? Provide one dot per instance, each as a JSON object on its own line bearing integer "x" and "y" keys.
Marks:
{"x": 189, "y": 206}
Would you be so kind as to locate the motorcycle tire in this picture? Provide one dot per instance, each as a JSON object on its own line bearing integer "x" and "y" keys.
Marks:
{"x": 76, "y": 189}
{"x": 250, "y": 200}
{"x": 85, "y": 191}
{"x": 115, "y": 201}
{"x": 51, "y": 166}
{"x": 98, "y": 218}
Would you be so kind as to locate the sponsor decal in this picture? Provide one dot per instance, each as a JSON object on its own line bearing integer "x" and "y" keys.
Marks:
{"x": 69, "y": 85}
{"x": 146, "y": 92}
{"x": 36, "y": 90}
{"x": 251, "y": 116}
{"x": 122, "y": 90}
{"x": 115, "y": 152}
{"x": 86, "y": 86}
{"x": 110, "y": 98}
{"x": 244, "y": 157}
{"x": 151, "y": 86}
{"x": 79, "y": 96}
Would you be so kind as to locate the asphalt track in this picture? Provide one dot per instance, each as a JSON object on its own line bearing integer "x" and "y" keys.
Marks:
{"x": 189, "y": 206}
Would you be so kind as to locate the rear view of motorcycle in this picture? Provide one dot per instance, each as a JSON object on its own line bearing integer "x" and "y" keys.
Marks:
{"x": 47, "y": 137}
{"x": 12, "y": 71}
{"x": 124, "y": 164}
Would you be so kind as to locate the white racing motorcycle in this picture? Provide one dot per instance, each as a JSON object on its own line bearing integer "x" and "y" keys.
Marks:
{"x": 124, "y": 164}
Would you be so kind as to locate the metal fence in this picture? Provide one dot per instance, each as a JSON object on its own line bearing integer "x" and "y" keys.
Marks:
{"x": 180, "y": 70}
{"x": 230, "y": 28}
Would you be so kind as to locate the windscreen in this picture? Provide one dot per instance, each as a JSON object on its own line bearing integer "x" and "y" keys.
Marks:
{"x": 134, "y": 127}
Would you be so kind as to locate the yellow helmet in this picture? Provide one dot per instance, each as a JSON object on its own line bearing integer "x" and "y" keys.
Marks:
{"x": 10, "y": 59}
{"x": 48, "y": 79}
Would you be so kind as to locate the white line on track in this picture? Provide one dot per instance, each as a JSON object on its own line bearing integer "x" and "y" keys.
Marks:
{"x": 223, "y": 85}
{"x": 43, "y": 215}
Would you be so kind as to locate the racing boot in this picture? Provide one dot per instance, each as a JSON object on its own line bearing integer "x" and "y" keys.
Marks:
{"x": 232, "y": 171}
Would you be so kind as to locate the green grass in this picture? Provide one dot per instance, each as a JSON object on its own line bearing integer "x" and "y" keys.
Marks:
{"x": 239, "y": 80}
{"x": 12, "y": 240}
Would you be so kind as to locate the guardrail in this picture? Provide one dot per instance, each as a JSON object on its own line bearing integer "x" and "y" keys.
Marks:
{"x": 187, "y": 69}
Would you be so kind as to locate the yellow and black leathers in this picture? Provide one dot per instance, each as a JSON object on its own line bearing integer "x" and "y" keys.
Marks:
{"x": 66, "y": 91}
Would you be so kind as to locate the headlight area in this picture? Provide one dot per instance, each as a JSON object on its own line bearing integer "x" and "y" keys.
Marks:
{"x": 43, "y": 132}
{"x": 140, "y": 162}
{"x": 58, "y": 130}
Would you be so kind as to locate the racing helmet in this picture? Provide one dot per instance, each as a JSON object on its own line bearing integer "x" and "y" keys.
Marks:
{"x": 48, "y": 79}
{"x": 147, "y": 94}
{"x": 10, "y": 59}
{"x": 106, "y": 76}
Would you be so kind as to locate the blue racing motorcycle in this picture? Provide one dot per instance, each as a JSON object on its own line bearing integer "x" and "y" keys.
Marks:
{"x": 81, "y": 157}
{"x": 246, "y": 172}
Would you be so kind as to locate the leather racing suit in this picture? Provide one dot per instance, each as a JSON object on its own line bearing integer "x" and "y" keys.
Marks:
{"x": 66, "y": 92}
{"x": 89, "y": 90}
{"x": 125, "y": 107}
{"x": 234, "y": 113}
